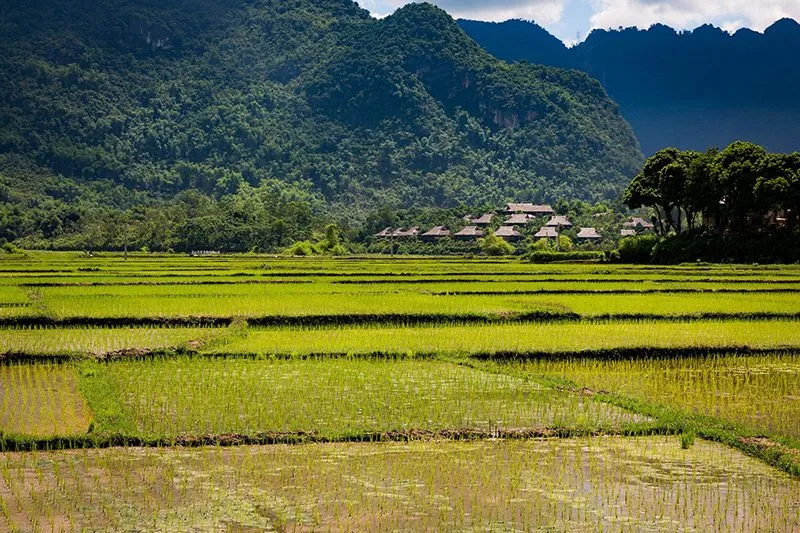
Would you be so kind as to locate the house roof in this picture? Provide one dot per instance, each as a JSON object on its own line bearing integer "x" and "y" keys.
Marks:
{"x": 559, "y": 221}
{"x": 438, "y": 231}
{"x": 485, "y": 220}
{"x": 588, "y": 233}
{"x": 469, "y": 231}
{"x": 530, "y": 208}
{"x": 386, "y": 232}
{"x": 547, "y": 232}
{"x": 399, "y": 232}
{"x": 519, "y": 218}
{"x": 638, "y": 222}
{"x": 627, "y": 232}
{"x": 507, "y": 231}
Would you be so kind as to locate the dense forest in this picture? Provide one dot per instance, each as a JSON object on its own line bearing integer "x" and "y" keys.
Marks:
{"x": 741, "y": 203}
{"x": 686, "y": 89}
{"x": 740, "y": 189}
{"x": 245, "y": 124}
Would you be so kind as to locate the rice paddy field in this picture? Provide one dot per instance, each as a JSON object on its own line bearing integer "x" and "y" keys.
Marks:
{"x": 253, "y": 393}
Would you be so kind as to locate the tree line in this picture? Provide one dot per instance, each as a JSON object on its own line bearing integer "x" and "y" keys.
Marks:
{"x": 742, "y": 189}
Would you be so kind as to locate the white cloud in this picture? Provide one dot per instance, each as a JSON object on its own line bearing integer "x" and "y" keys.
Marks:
{"x": 688, "y": 14}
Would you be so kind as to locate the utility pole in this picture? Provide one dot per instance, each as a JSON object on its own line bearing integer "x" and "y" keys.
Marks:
{"x": 558, "y": 237}
{"x": 125, "y": 240}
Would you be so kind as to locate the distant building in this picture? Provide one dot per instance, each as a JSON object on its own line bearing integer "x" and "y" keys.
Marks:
{"x": 628, "y": 232}
{"x": 508, "y": 233}
{"x": 518, "y": 219}
{"x": 468, "y": 233}
{"x": 547, "y": 232}
{"x": 386, "y": 232}
{"x": 530, "y": 209}
{"x": 559, "y": 221}
{"x": 589, "y": 234}
{"x": 485, "y": 220}
{"x": 435, "y": 233}
{"x": 638, "y": 223}
{"x": 410, "y": 232}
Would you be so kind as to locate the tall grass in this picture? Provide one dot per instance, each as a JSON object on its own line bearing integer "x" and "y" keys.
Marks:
{"x": 519, "y": 338}
{"x": 759, "y": 391}
{"x": 329, "y": 397}
{"x": 41, "y": 400}
{"x": 44, "y": 341}
{"x": 591, "y": 484}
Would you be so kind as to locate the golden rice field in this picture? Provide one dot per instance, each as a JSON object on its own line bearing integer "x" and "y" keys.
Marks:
{"x": 253, "y": 393}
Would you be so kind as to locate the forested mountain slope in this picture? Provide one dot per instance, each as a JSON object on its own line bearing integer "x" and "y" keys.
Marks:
{"x": 123, "y": 104}
{"x": 692, "y": 89}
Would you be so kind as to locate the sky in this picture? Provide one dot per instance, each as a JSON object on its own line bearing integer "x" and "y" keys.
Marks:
{"x": 572, "y": 20}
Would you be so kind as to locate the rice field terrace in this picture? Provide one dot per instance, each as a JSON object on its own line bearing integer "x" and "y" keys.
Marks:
{"x": 254, "y": 393}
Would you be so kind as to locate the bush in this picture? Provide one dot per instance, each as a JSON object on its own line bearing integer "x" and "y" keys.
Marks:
{"x": 638, "y": 249}
{"x": 495, "y": 246}
{"x": 552, "y": 257}
{"x": 540, "y": 245}
{"x": 691, "y": 247}
{"x": 301, "y": 249}
{"x": 11, "y": 248}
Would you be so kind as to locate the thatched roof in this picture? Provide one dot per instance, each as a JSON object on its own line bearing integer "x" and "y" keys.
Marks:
{"x": 627, "y": 232}
{"x": 411, "y": 232}
{"x": 532, "y": 209}
{"x": 519, "y": 218}
{"x": 589, "y": 233}
{"x": 469, "y": 232}
{"x": 438, "y": 231}
{"x": 386, "y": 232}
{"x": 547, "y": 233}
{"x": 508, "y": 232}
{"x": 638, "y": 222}
{"x": 485, "y": 220}
{"x": 557, "y": 221}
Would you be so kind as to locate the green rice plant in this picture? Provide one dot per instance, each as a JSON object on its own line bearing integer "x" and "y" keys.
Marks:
{"x": 41, "y": 400}
{"x": 571, "y": 337}
{"x": 329, "y": 397}
{"x": 585, "y": 484}
{"x": 98, "y": 341}
{"x": 758, "y": 391}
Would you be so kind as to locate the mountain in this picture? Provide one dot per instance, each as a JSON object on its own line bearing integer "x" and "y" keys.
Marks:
{"x": 123, "y": 103}
{"x": 692, "y": 90}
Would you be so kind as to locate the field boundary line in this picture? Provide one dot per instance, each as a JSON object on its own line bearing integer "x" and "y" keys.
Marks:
{"x": 22, "y": 443}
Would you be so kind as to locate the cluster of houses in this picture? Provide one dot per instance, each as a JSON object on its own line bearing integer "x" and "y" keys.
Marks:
{"x": 514, "y": 215}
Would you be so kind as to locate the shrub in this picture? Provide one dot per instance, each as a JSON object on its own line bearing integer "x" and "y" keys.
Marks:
{"x": 638, "y": 249}
{"x": 494, "y": 245}
{"x": 552, "y": 257}
{"x": 301, "y": 249}
{"x": 11, "y": 248}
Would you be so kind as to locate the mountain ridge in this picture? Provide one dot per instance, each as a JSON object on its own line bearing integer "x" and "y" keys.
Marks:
{"x": 690, "y": 89}
{"x": 315, "y": 101}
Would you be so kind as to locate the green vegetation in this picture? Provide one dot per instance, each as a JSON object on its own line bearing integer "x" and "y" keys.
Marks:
{"x": 667, "y": 394}
{"x": 41, "y": 400}
{"x": 195, "y": 125}
{"x": 559, "y": 484}
{"x": 331, "y": 398}
{"x": 738, "y": 204}
{"x": 757, "y": 390}
{"x": 98, "y": 341}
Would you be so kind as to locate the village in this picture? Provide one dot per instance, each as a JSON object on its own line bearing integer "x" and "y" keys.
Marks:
{"x": 516, "y": 218}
